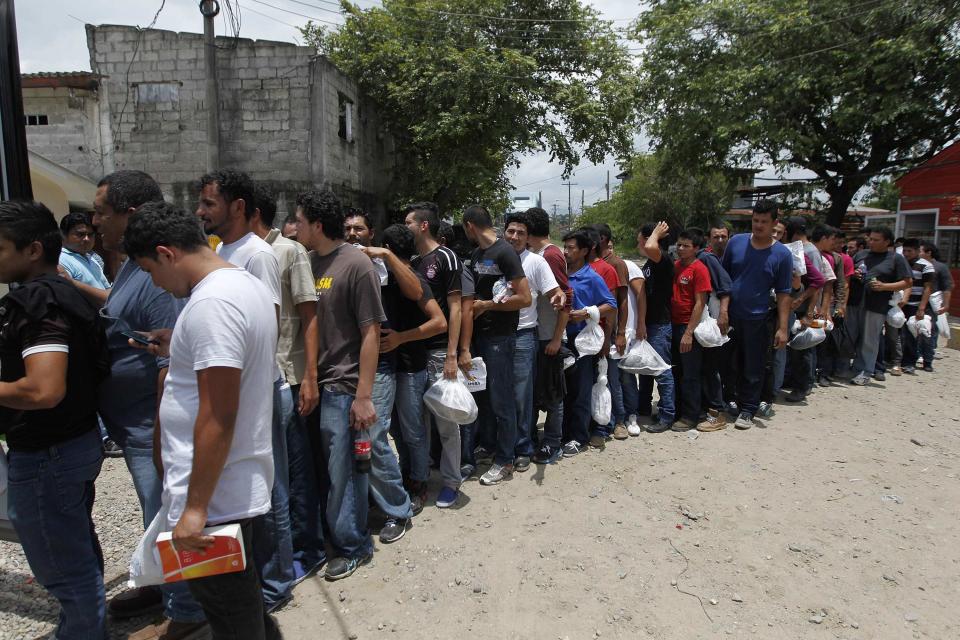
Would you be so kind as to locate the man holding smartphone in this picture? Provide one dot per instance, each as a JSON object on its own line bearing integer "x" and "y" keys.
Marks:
{"x": 129, "y": 398}
{"x": 215, "y": 444}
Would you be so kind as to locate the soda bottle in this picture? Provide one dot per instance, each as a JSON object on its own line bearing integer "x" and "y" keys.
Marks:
{"x": 361, "y": 451}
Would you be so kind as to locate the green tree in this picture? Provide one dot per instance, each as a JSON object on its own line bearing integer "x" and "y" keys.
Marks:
{"x": 849, "y": 89}
{"x": 651, "y": 193}
{"x": 884, "y": 194}
{"x": 467, "y": 86}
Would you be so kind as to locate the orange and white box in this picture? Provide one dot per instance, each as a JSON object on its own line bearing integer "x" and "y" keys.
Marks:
{"x": 226, "y": 555}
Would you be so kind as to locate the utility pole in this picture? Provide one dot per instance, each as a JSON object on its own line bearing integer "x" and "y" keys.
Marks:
{"x": 582, "y": 200}
{"x": 14, "y": 165}
{"x": 209, "y": 9}
{"x": 569, "y": 185}
{"x": 540, "y": 199}
{"x": 608, "y": 184}
{"x": 554, "y": 209}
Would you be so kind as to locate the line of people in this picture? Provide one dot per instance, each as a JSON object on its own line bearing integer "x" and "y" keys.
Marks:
{"x": 239, "y": 381}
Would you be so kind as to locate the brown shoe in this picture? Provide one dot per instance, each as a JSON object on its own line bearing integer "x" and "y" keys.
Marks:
{"x": 713, "y": 422}
{"x": 136, "y": 602}
{"x": 620, "y": 432}
{"x": 896, "y": 371}
{"x": 683, "y": 424}
{"x": 170, "y": 630}
{"x": 597, "y": 442}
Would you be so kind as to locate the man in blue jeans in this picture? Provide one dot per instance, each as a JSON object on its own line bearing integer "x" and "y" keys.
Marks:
{"x": 349, "y": 315}
{"x": 654, "y": 326}
{"x": 501, "y": 291}
{"x": 588, "y": 290}
{"x": 386, "y": 481}
{"x": 52, "y": 357}
{"x": 543, "y": 285}
{"x": 757, "y": 264}
{"x": 296, "y": 398}
{"x": 129, "y": 397}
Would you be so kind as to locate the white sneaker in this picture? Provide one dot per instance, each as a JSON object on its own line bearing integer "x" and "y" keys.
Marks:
{"x": 861, "y": 379}
{"x": 632, "y": 427}
{"x": 497, "y": 474}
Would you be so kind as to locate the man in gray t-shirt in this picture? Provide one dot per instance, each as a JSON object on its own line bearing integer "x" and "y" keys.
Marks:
{"x": 349, "y": 313}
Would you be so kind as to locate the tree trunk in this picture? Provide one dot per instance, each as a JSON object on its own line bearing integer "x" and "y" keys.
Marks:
{"x": 841, "y": 195}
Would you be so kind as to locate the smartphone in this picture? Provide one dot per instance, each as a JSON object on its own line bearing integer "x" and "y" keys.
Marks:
{"x": 139, "y": 338}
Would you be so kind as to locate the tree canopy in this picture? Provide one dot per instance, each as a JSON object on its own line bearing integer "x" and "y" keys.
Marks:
{"x": 683, "y": 198}
{"x": 467, "y": 86}
{"x": 849, "y": 89}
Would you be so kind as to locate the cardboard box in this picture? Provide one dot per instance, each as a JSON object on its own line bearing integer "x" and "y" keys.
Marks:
{"x": 226, "y": 555}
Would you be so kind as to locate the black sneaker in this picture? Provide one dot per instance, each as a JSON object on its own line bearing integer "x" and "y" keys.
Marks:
{"x": 658, "y": 427}
{"x": 544, "y": 455}
{"x": 340, "y": 568}
{"x": 394, "y": 529}
{"x": 928, "y": 368}
{"x": 521, "y": 463}
{"x": 572, "y": 448}
{"x": 136, "y": 602}
{"x": 796, "y": 396}
{"x": 483, "y": 455}
{"x": 879, "y": 376}
{"x": 111, "y": 449}
{"x": 466, "y": 472}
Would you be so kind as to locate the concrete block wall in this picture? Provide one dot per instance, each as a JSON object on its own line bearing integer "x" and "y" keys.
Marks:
{"x": 278, "y": 115}
{"x": 72, "y": 137}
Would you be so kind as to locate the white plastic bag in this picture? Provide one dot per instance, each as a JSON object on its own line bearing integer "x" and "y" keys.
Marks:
{"x": 936, "y": 301}
{"x": 614, "y": 352}
{"x": 708, "y": 333}
{"x": 590, "y": 341}
{"x": 451, "y": 400}
{"x": 799, "y": 264}
{"x": 642, "y": 359}
{"x": 145, "y": 566}
{"x": 895, "y": 317}
{"x": 943, "y": 326}
{"x": 478, "y": 376}
{"x": 923, "y": 328}
{"x": 807, "y": 338}
{"x": 896, "y": 298}
{"x": 600, "y": 401}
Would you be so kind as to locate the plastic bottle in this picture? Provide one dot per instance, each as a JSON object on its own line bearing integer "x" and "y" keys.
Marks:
{"x": 361, "y": 451}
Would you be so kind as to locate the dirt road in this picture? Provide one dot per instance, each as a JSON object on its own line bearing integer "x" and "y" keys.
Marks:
{"x": 837, "y": 521}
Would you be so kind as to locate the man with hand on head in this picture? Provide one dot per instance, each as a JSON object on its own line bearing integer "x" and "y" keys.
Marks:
{"x": 215, "y": 443}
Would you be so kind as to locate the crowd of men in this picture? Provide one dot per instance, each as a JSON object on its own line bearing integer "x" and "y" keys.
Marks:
{"x": 236, "y": 382}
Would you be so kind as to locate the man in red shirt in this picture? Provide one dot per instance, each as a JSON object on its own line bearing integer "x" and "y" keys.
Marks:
{"x": 691, "y": 287}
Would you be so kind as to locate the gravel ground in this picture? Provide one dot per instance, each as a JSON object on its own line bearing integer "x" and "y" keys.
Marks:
{"x": 838, "y": 521}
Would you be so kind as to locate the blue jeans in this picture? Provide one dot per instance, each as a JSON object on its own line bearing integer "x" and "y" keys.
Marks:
{"x": 524, "y": 368}
{"x": 919, "y": 346}
{"x": 386, "y": 483}
{"x": 178, "y": 604}
{"x": 347, "y": 496}
{"x": 660, "y": 337}
{"x": 51, "y": 495}
{"x": 497, "y": 404}
{"x": 576, "y": 404}
{"x": 410, "y": 432}
{"x": 751, "y": 340}
{"x": 306, "y": 525}
{"x": 273, "y": 554}
{"x": 629, "y": 388}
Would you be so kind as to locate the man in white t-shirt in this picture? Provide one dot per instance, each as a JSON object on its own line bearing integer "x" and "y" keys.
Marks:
{"x": 215, "y": 428}
{"x": 542, "y": 283}
{"x": 226, "y": 205}
{"x": 636, "y": 308}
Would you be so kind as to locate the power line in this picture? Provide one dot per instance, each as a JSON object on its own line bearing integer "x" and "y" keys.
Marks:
{"x": 302, "y": 15}
{"x": 260, "y": 13}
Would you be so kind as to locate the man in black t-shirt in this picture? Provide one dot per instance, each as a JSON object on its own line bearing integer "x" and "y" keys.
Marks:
{"x": 878, "y": 272}
{"x": 442, "y": 270}
{"x": 501, "y": 291}
{"x": 52, "y": 358}
{"x": 656, "y": 328}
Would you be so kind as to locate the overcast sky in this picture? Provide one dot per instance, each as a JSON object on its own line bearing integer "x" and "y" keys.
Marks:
{"x": 52, "y": 38}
